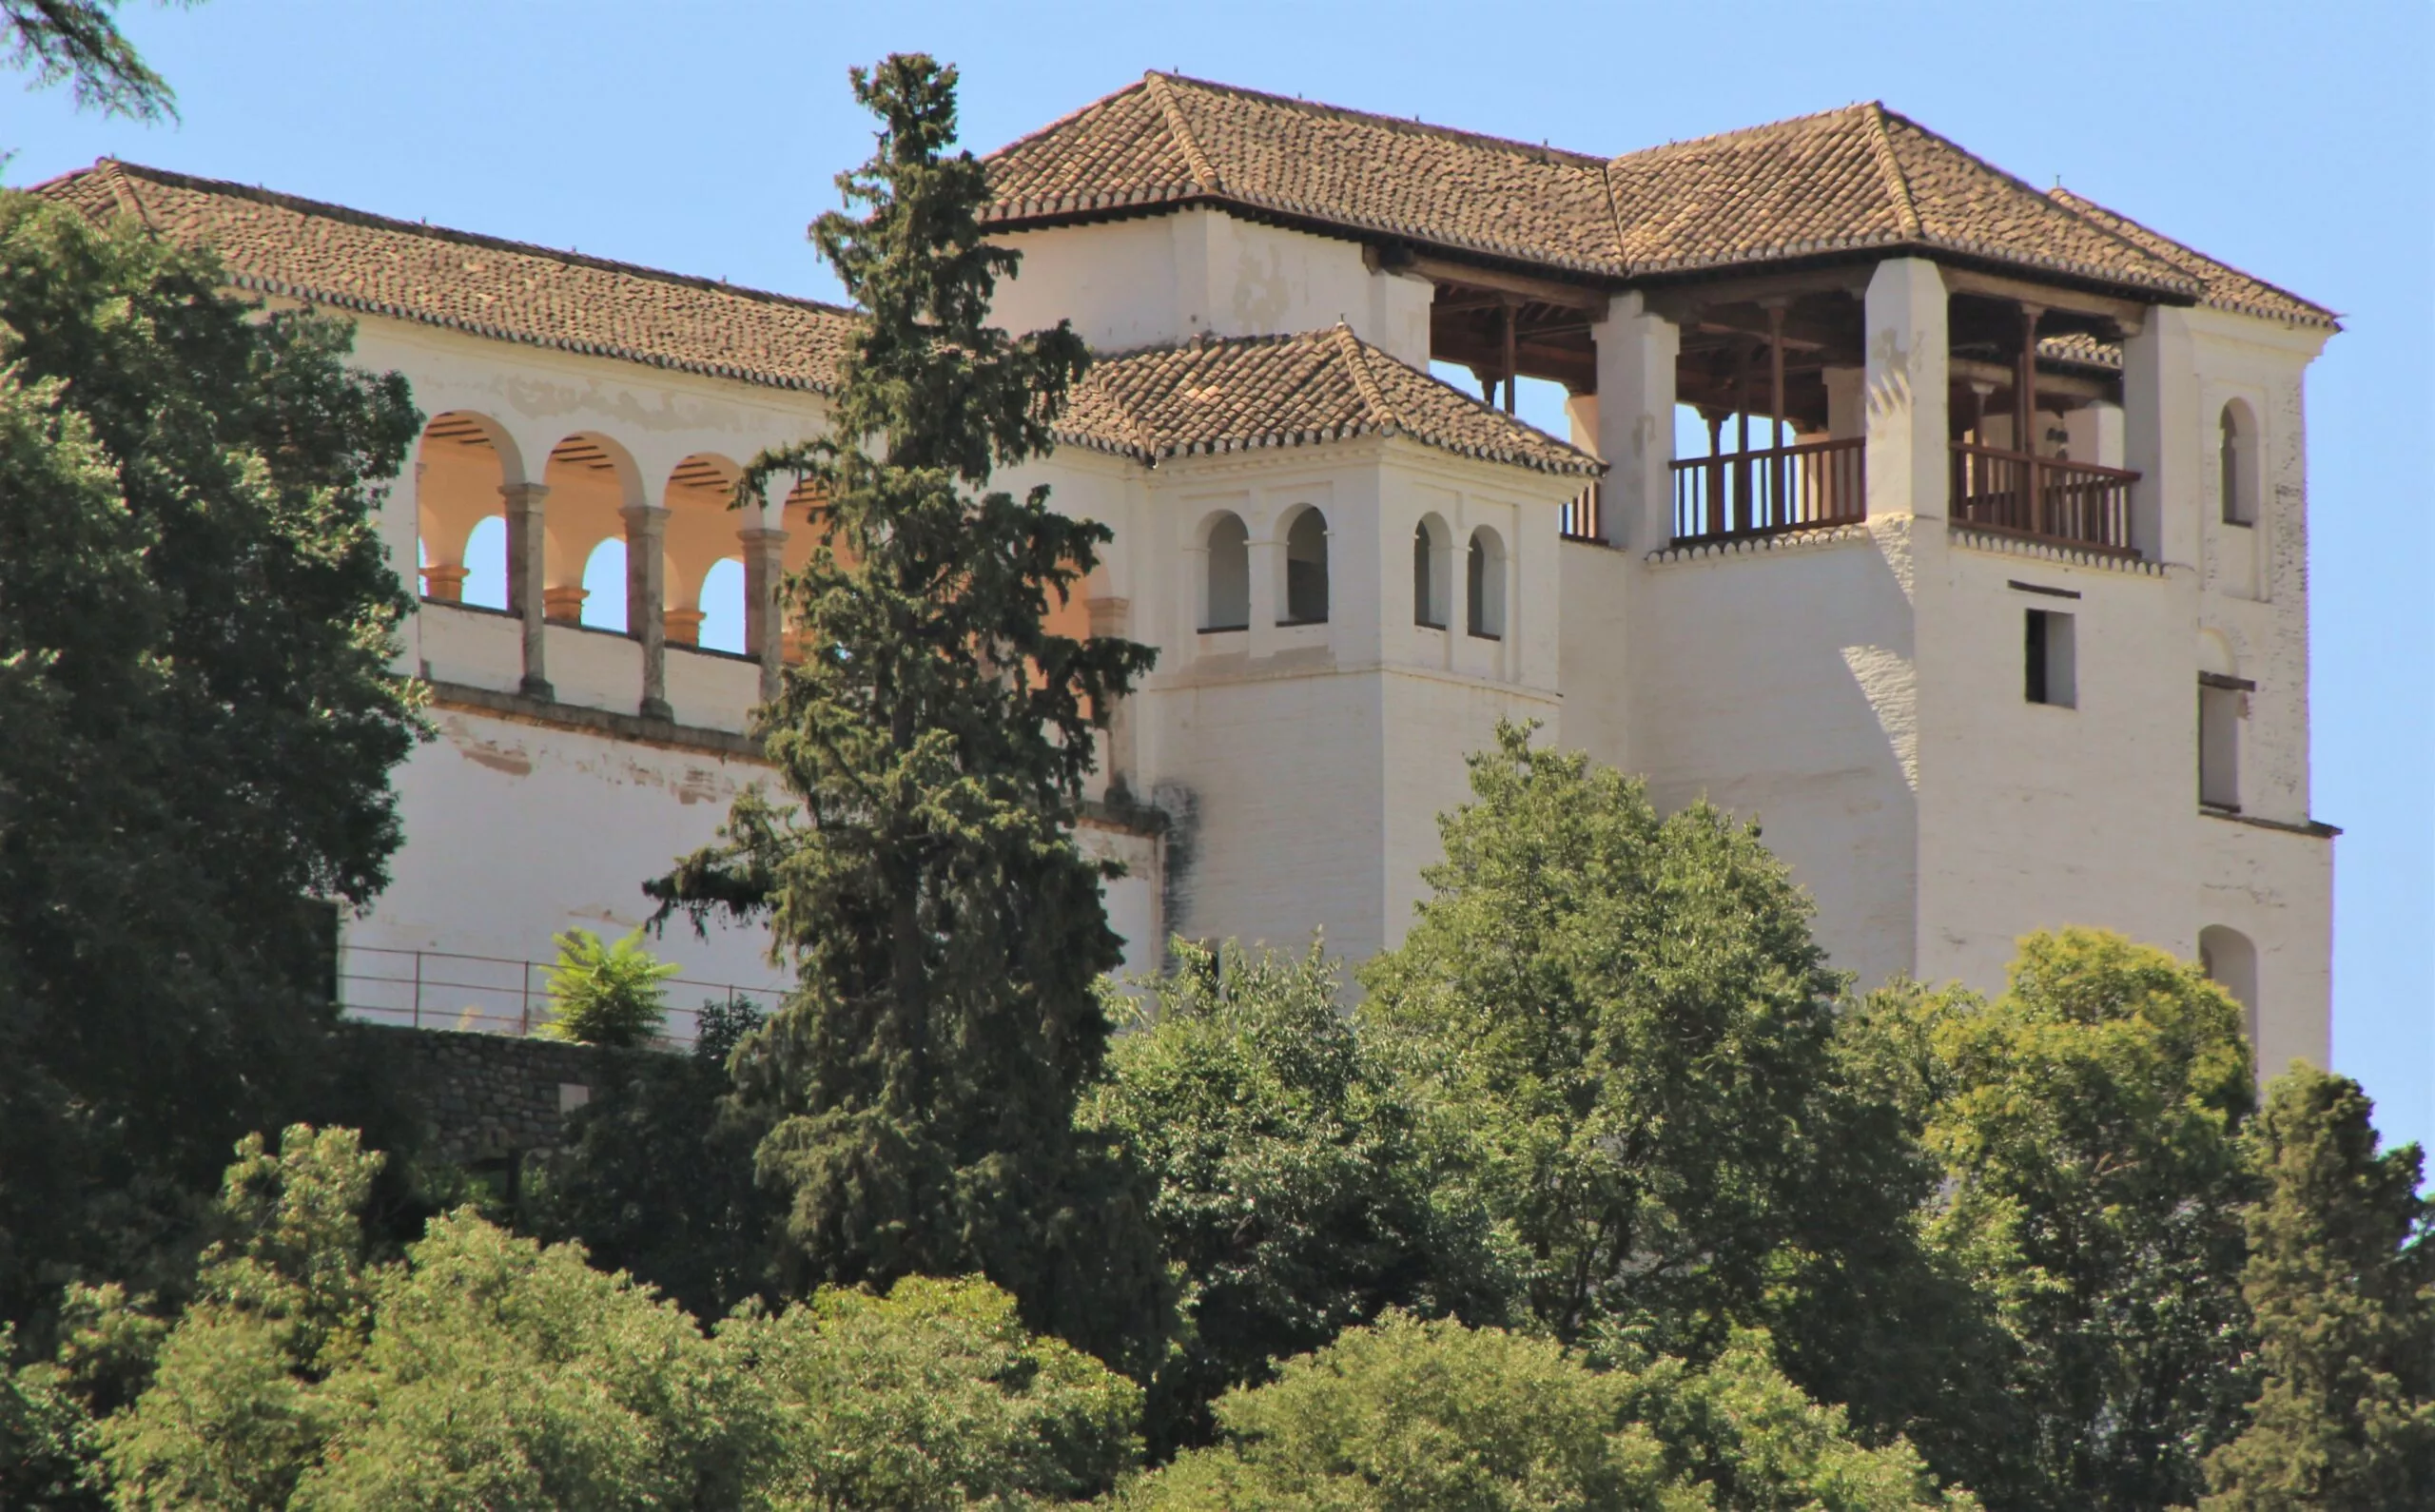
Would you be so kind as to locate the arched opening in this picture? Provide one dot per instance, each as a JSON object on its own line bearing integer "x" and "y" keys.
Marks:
{"x": 485, "y": 565}
{"x": 2229, "y": 961}
{"x": 590, "y": 478}
{"x": 1306, "y": 568}
{"x": 1226, "y": 596}
{"x": 1431, "y": 564}
{"x": 459, "y": 466}
{"x": 719, "y": 626}
{"x": 702, "y": 526}
{"x": 604, "y": 586}
{"x": 1484, "y": 586}
{"x": 2236, "y": 463}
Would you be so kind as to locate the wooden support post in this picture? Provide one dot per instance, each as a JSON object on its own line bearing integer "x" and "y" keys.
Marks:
{"x": 2024, "y": 413}
{"x": 1715, "y": 470}
{"x": 1776, "y": 410}
{"x": 1511, "y": 359}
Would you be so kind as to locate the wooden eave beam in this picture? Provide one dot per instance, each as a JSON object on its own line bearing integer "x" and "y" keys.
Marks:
{"x": 1446, "y": 273}
{"x": 2065, "y": 385}
{"x": 2127, "y": 316}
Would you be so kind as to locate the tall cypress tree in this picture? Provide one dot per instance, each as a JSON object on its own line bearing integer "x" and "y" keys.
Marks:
{"x": 921, "y": 1083}
{"x": 2341, "y": 1279}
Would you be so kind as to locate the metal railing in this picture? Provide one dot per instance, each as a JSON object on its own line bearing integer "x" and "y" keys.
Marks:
{"x": 494, "y": 995}
{"x": 1807, "y": 487}
{"x": 2043, "y": 497}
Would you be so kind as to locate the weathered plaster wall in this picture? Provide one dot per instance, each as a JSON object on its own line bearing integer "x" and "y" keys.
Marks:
{"x": 1168, "y": 277}
{"x": 519, "y": 831}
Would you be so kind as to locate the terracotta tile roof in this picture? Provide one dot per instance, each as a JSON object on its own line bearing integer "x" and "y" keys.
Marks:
{"x": 2080, "y": 347}
{"x": 1171, "y": 141}
{"x": 281, "y": 246}
{"x": 1860, "y": 177}
{"x": 2227, "y": 287}
{"x": 1209, "y": 396}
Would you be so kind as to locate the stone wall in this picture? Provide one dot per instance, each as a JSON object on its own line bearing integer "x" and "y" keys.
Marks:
{"x": 484, "y": 1096}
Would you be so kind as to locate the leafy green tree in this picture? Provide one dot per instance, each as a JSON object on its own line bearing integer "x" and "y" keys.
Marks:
{"x": 2341, "y": 1280}
{"x": 79, "y": 42}
{"x": 1405, "y": 1414}
{"x": 931, "y": 1399}
{"x": 196, "y": 621}
{"x": 659, "y": 1177}
{"x": 2089, "y": 1122}
{"x": 605, "y": 994}
{"x": 1628, "y": 1019}
{"x": 920, "y": 1083}
{"x": 501, "y": 1374}
{"x": 235, "y": 1413}
{"x": 1297, "y": 1187}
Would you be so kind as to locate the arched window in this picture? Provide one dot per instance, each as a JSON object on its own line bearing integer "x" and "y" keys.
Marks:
{"x": 2236, "y": 463}
{"x": 718, "y": 624}
{"x": 1306, "y": 569}
{"x": 1226, "y": 603}
{"x": 1430, "y": 560}
{"x": 2229, "y": 961}
{"x": 1484, "y": 586}
{"x": 604, "y": 586}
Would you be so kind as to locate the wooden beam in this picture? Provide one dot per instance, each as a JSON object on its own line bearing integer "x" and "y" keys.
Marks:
{"x": 2125, "y": 314}
{"x": 1679, "y": 302}
{"x": 1446, "y": 273}
{"x": 2064, "y": 385}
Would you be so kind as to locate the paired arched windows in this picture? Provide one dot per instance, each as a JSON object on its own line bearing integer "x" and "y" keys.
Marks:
{"x": 1484, "y": 586}
{"x": 2236, "y": 463}
{"x": 1306, "y": 568}
{"x": 1226, "y": 598}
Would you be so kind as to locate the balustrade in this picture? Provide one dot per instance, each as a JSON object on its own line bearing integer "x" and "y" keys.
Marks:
{"x": 2046, "y": 498}
{"x": 1809, "y": 486}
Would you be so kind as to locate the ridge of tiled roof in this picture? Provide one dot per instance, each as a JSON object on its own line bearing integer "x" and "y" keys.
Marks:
{"x": 290, "y": 247}
{"x": 2226, "y": 287}
{"x": 1859, "y": 177}
{"x": 1167, "y": 141}
{"x": 1211, "y": 395}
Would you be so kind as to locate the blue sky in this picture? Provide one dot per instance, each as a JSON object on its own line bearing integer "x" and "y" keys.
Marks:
{"x": 2293, "y": 142}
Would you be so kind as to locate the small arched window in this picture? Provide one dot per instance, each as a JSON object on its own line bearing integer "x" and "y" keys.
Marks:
{"x": 2236, "y": 463}
{"x": 1226, "y": 603}
{"x": 1306, "y": 569}
{"x": 2229, "y": 961}
{"x": 1431, "y": 558}
{"x": 1484, "y": 586}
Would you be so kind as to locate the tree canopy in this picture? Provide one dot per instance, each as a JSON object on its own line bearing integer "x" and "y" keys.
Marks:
{"x": 2341, "y": 1286}
{"x": 196, "y": 624}
{"x": 78, "y": 42}
{"x": 919, "y": 1082}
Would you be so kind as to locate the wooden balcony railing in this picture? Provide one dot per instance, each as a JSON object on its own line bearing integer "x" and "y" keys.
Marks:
{"x": 1578, "y": 520}
{"x": 1807, "y": 487}
{"x": 2043, "y": 497}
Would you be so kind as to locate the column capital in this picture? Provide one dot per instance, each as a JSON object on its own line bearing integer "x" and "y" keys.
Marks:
{"x": 762, "y": 535}
{"x": 526, "y": 493}
{"x": 644, "y": 519}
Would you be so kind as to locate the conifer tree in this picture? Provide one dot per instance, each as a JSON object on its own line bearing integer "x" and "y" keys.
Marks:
{"x": 920, "y": 1084}
{"x": 2341, "y": 1280}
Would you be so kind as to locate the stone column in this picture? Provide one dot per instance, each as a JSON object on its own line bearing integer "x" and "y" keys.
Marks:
{"x": 1114, "y": 616}
{"x": 2161, "y": 435}
{"x": 647, "y": 600}
{"x": 765, "y": 619}
{"x": 1635, "y": 420}
{"x": 1909, "y": 356}
{"x": 524, "y": 568}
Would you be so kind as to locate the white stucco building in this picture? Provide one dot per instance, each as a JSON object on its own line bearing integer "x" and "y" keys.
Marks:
{"x": 1986, "y": 595}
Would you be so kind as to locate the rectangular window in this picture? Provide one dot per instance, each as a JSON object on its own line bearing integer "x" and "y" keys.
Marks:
{"x": 2220, "y": 741}
{"x": 2046, "y": 655}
